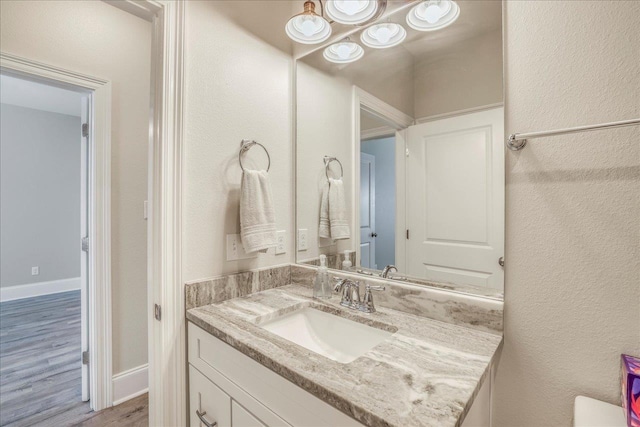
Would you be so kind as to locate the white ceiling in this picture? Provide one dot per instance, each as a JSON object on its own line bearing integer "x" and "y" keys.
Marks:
{"x": 39, "y": 96}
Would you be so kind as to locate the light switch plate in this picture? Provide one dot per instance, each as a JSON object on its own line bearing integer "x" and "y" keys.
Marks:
{"x": 235, "y": 249}
{"x": 35, "y": 271}
{"x": 281, "y": 238}
{"x": 303, "y": 244}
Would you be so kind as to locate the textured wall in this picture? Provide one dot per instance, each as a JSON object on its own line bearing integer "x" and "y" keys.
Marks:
{"x": 237, "y": 86}
{"x": 94, "y": 38}
{"x": 40, "y": 195}
{"x": 325, "y": 114}
{"x": 573, "y": 213}
{"x": 466, "y": 75}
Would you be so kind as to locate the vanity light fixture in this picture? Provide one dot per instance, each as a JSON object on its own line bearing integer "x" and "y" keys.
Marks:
{"x": 308, "y": 27}
{"x": 384, "y": 35}
{"x": 354, "y": 12}
{"x": 431, "y": 15}
{"x": 343, "y": 52}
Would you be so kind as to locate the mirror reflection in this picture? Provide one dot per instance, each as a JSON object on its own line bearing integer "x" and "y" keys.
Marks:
{"x": 400, "y": 155}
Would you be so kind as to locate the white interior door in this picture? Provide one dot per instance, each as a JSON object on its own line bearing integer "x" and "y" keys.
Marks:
{"x": 455, "y": 199}
{"x": 368, "y": 211}
{"x": 84, "y": 255}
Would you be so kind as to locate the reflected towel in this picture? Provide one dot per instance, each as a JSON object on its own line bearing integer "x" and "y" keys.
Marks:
{"x": 257, "y": 214}
{"x": 324, "y": 229}
{"x": 338, "y": 210}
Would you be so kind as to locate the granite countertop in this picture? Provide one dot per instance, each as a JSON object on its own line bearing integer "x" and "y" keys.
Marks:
{"x": 426, "y": 374}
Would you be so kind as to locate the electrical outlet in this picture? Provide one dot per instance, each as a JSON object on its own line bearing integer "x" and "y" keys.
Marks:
{"x": 35, "y": 271}
{"x": 302, "y": 239}
{"x": 281, "y": 237}
{"x": 235, "y": 249}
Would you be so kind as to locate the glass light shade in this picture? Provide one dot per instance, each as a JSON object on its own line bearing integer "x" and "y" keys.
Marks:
{"x": 351, "y": 11}
{"x": 385, "y": 35}
{"x": 433, "y": 15}
{"x": 343, "y": 52}
{"x": 308, "y": 27}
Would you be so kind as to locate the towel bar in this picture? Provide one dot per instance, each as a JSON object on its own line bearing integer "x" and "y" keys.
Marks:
{"x": 245, "y": 145}
{"x": 327, "y": 162}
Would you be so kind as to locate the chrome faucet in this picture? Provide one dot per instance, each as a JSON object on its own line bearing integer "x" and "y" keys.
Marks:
{"x": 351, "y": 295}
{"x": 367, "y": 302}
{"x": 349, "y": 290}
{"x": 387, "y": 270}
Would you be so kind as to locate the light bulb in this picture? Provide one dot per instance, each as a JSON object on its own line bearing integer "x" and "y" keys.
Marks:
{"x": 383, "y": 35}
{"x": 433, "y": 13}
{"x": 308, "y": 27}
{"x": 343, "y": 51}
{"x": 350, "y": 7}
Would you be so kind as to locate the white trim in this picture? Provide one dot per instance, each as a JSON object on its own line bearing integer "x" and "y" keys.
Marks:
{"x": 379, "y": 132}
{"x": 31, "y": 290}
{"x": 167, "y": 338}
{"x": 99, "y": 214}
{"x": 140, "y": 8}
{"x": 385, "y": 112}
{"x": 459, "y": 112}
{"x": 395, "y": 119}
{"x": 130, "y": 384}
{"x": 401, "y": 199}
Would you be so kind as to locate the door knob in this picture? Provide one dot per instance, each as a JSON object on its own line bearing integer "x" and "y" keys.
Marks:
{"x": 501, "y": 261}
{"x": 374, "y": 234}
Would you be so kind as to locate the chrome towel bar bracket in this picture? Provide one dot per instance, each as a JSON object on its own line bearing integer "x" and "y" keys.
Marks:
{"x": 327, "y": 162}
{"x": 517, "y": 141}
{"x": 245, "y": 145}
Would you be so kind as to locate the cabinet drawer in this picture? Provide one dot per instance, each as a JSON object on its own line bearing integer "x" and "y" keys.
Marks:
{"x": 238, "y": 374}
{"x": 204, "y": 396}
{"x": 240, "y": 417}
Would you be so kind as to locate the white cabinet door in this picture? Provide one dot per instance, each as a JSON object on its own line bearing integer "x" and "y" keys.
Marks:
{"x": 213, "y": 404}
{"x": 455, "y": 199}
{"x": 240, "y": 417}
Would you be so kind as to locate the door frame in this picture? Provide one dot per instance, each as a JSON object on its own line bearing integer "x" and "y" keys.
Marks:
{"x": 395, "y": 119}
{"x": 166, "y": 338}
{"x": 99, "y": 215}
{"x": 166, "y": 335}
{"x": 372, "y": 212}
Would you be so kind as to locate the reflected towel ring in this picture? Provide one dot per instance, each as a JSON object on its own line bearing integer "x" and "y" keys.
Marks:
{"x": 327, "y": 162}
{"x": 245, "y": 145}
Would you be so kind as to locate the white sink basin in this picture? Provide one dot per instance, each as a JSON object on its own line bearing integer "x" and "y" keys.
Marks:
{"x": 332, "y": 336}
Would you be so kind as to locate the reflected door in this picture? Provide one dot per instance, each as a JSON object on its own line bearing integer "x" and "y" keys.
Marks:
{"x": 367, "y": 211}
{"x": 455, "y": 199}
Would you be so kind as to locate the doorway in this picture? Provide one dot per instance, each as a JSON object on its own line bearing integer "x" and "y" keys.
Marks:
{"x": 44, "y": 283}
{"x": 377, "y": 194}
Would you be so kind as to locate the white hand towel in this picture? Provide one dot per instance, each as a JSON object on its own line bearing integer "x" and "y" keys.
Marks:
{"x": 338, "y": 210}
{"x": 324, "y": 229}
{"x": 257, "y": 214}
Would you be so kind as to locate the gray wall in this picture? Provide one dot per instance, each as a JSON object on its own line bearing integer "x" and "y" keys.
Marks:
{"x": 383, "y": 150}
{"x": 40, "y": 195}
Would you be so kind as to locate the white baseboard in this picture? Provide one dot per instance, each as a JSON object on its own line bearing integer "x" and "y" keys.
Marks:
{"x": 129, "y": 384}
{"x": 38, "y": 289}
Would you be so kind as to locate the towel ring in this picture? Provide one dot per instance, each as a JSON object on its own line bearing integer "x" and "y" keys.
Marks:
{"x": 327, "y": 162}
{"x": 245, "y": 145}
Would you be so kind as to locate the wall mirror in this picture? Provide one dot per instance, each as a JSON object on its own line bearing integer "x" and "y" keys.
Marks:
{"x": 400, "y": 147}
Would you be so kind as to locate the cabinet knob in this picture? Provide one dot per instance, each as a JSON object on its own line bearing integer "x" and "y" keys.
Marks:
{"x": 204, "y": 420}
{"x": 374, "y": 234}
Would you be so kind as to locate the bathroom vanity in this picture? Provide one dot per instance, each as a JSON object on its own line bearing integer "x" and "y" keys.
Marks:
{"x": 279, "y": 357}
{"x": 399, "y": 178}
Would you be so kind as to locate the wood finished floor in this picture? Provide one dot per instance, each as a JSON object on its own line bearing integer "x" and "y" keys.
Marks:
{"x": 40, "y": 379}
